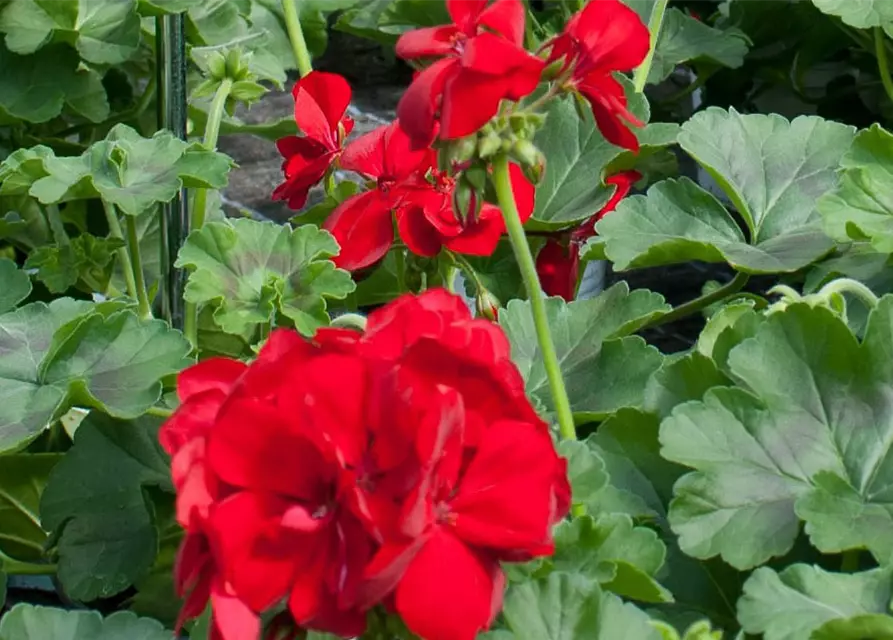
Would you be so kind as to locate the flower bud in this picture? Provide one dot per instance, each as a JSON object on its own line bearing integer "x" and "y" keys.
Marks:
{"x": 237, "y": 64}
{"x": 467, "y": 199}
{"x": 489, "y": 145}
{"x": 476, "y": 175}
{"x": 487, "y": 305}
{"x": 457, "y": 152}
{"x": 553, "y": 70}
{"x": 216, "y": 63}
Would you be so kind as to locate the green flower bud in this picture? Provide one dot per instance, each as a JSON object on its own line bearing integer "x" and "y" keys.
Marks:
{"x": 489, "y": 145}
{"x": 487, "y": 305}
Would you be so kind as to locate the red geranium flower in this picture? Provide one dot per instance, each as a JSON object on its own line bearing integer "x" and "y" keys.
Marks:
{"x": 363, "y": 224}
{"x": 202, "y": 390}
{"x": 427, "y": 221}
{"x": 321, "y": 100}
{"x": 484, "y": 63}
{"x": 606, "y": 36}
{"x": 558, "y": 263}
{"x": 497, "y": 501}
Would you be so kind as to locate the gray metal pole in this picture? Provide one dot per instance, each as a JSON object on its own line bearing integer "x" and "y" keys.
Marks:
{"x": 170, "y": 47}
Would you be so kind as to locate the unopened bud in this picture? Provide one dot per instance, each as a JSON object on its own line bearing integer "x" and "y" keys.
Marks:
{"x": 458, "y": 152}
{"x": 466, "y": 200}
{"x": 525, "y": 152}
{"x": 553, "y": 70}
{"x": 487, "y": 305}
{"x": 518, "y": 122}
{"x": 489, "y": 145}
{"x": 216, "y": 62}
{"x": 476, "y": 175}
{"x": 236, "y": 64}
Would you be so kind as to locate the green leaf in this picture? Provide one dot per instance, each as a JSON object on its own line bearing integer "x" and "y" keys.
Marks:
{"x": 789, "y": 165}
{"x": 249, "y": 270}
{"x": 687, "y": 378}
{"x": 64, "y": 352}
{"x": 131, "y": 172}
{"x": 30, "y": 622}
{"x": 16, "y": 285}
{"x": 566, "y": 606}
{"x": 872, "y": 625}
{"x": 102, "y": 32}
{"x": 773, "y": 170}
{"x": 808, "y": 436}
{"x": 22, "y": 481}
{"x": 640, "y": 480}
{"x": 35, "y": 88}
{"x": 612, "y": 551}
{"x": 318, "y": 213}
{"x": 96, "y": 505}
{"x": 585, "y": 470}
{"x": 793, "y": 604}
{"x": 862, "y": 206}
{"x": 384, "y": 20}
{"x": 576, "y": 157}
{"x": 678, "y": 221}
{"x": 684, "y": 39}
{"x": 862, "y": 14}
{"x": 499, "y": 272}
{"x": 590, "y": 348}
{"x": 86, "y": 258}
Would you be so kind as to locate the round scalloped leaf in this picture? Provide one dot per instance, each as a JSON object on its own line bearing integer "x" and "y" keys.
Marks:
{"x": 593, "y": 341}
{"x": 15, "y": 285}
{"x": 249, "y": 270}
{"x": 35, "y": 622}
{"x": 103, "y": 32}
{"x": 802, "y": 599}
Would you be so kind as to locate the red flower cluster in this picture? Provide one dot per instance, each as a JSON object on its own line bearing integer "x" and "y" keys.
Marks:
{"x": 320, "y": 102}
{"x": 406, "y": 185}
{"x": 558, "y": 262}
{"x": 398, "y": 467}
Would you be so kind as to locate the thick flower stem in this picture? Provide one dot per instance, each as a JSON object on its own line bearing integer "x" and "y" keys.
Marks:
{"x": 111, "y": 217}
{"x": 200, "y": 204}
{"x": 14, "y": 567}
{"x": 506, "y": 197}
{"x": 133, "y": 247}
{"x": 694, "y": 306}
{"x": 880, "y": 49}
{"x": 296, "y": 37}
{"x": 640, "y": 77}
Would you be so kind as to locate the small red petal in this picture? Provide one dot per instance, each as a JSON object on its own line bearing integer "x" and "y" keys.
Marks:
{"x": 465, "y": 13}
{"x": 506, "y": 17}
{"x": 417, "y": 109}
{"x": 429, "y": 42}
{"x": 364, "y": 229}
{"x": 320, "y": 102}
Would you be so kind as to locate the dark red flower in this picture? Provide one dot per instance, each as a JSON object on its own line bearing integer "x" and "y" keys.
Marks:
{"x": 497, "y": 501}
{"x": 363, "y": 224}
{"x": 321, "y": 100}
{"x": 483, "y": 63}
{"x": 558, "y": 262}
{"x": 605, "y": 37}
{"x": 427, "y": 221}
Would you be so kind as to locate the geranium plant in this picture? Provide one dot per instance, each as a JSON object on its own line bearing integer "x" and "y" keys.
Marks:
{"x": 406, "y": 414}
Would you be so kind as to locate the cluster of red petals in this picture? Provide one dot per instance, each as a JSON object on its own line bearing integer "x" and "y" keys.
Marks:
{"x": 321, "y": 100}
{"x": 406, "y": 185}
{"x": 605, "y": 37}
{"x": 480, "y": 61}
{"x": 397, "y": 467}
{"x": 558, "y": 262}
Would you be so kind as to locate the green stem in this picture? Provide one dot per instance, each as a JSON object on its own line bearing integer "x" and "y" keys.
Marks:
{"x": 159, "y": 412}
{"x": 400, "y": 266}
{"x": 133, "y": 246}
{"x": 54, "y": 219}
{"x": 694, "y": 306}
{"x": 200, "y": 203}
{"x": 640, "y": 77}
{"x": 699, "y": 82}
{"x": 882, "y": 63}
{"x": 111, "y": 217}
{"x": 469, "y": 272}
{"x": 296, "y": 37}
{"x": 849, "y": 563}
{"x": 14, "y": 567}
{"x": 506, "y": 198}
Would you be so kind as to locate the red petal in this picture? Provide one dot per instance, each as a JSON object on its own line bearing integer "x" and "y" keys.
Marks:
{"x": 191, "y": 420}
{"x": 491, "y": 54}
{"x": 305, "y": 166}
{"x": 426, "y": 43}
{"x": 608, "y": 102}
{"x": 558, "y": 269}
{"x": 417, "y": 108}
{"x": 232, "y": 619}
{"x": 213, "y": 373}
{"x": 260, "y": 558}
{"x": 613, "y": 36}
{"x": 196, "y": 486}
{"x": 448, "y": 591}
{"x": 402, "y": 158}
{"x": 507, "y": 498}
{"x": 385, "y": 570}
{"x": 254, "y": 446}
{"x": 480, "y": 236}
{"x": 524, "y": 190}
{"x": 320, "y": 102}
{"x": 465, "y": 13}
{"x": 470, "y": 100}
{"x": 622, "y": 182}
{"x": 417, "y": 232}
{"x": 366, "y": 154}
{"x": 506, "y": 17}
{"x": 364, "y": 229}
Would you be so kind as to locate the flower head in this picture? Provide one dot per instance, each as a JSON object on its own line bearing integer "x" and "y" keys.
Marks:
{"x": 481, "y": 62}
{"x": 604, "y": 37}
{"x": 321, "y": 100}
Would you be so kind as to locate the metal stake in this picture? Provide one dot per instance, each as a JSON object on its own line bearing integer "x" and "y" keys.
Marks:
{"x": 170, "y": 48}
